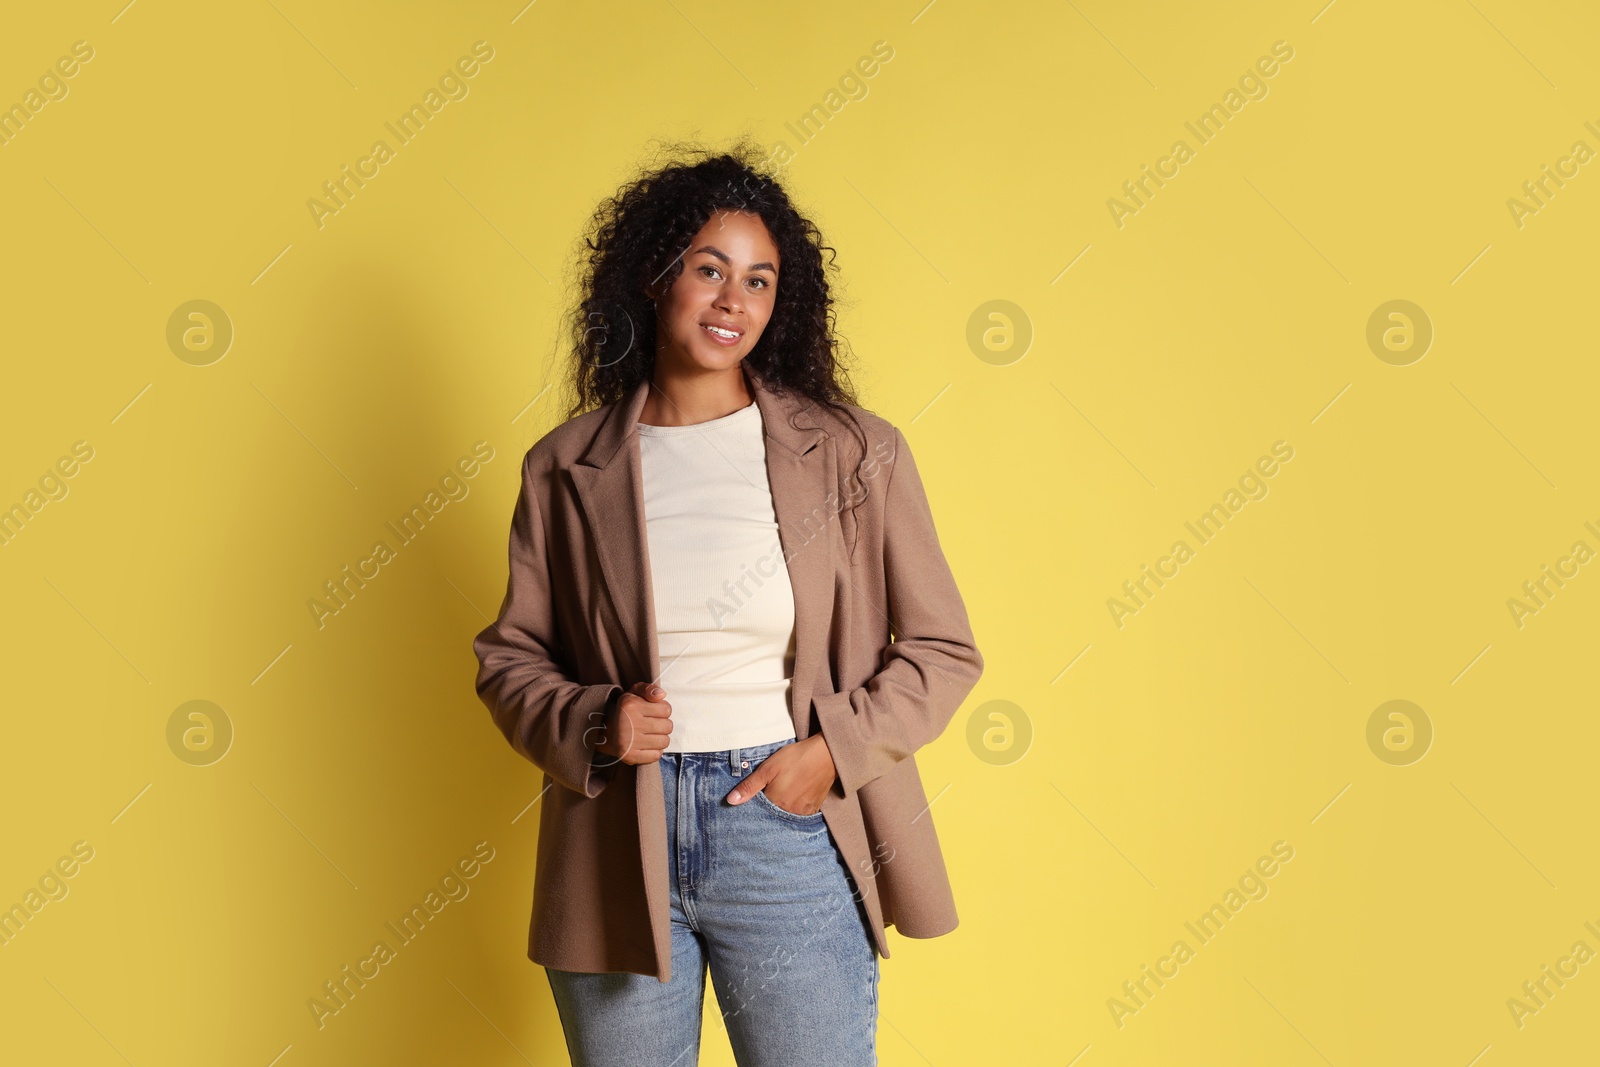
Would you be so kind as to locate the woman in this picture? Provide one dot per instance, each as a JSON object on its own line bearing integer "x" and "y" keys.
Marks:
{"x": 706, "y": 570}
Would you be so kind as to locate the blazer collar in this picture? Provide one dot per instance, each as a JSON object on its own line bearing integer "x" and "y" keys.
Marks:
{"x": 609, "y": 484}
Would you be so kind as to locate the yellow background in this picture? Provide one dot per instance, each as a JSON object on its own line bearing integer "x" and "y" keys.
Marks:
{"x": 1229, "y": 313}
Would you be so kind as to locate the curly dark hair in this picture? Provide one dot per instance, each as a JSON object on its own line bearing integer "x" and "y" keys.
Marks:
{"x": 637, "y": 238}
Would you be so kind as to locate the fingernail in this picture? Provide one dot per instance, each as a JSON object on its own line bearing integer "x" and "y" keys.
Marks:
{"x": 735, "y": 796}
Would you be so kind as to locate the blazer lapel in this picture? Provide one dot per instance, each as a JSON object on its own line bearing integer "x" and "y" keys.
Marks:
{"x": 610, "y": 487}
{"x": 798, "y": 470}
{"x": 609, "y": 482}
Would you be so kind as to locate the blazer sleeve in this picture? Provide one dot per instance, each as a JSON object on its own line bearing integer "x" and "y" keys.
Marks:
{"x": 547, "y": 717}
{"x": 933, "y": 661}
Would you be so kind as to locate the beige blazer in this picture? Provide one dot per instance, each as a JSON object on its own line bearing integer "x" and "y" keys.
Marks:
{"x": 578, "y": 623}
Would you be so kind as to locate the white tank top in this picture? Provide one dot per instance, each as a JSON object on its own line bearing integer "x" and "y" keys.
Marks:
{"x": 724, "y": 608}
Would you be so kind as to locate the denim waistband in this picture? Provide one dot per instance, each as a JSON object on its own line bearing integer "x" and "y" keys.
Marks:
{"x": 735, "y": 759}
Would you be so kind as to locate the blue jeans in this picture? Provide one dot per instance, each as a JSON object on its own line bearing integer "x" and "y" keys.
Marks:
{"x": 763, "y": 896}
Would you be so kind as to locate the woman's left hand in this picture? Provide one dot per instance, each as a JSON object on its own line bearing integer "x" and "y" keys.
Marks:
{"x": 795, "y": 778}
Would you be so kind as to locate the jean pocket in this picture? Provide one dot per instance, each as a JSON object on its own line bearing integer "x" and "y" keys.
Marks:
{"x": 761, "y": 798}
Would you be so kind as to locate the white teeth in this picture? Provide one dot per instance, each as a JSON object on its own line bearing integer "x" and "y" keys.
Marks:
{"x": 719, "y": 331}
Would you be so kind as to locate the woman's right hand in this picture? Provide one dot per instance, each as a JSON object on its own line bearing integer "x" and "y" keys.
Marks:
{"x": 638, "y": 728}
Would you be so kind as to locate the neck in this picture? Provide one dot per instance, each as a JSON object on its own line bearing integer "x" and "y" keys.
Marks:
{"x": 679, "y": 399}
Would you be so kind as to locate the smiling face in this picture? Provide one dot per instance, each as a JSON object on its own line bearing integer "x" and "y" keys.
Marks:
{"x": 720, "y": 303}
